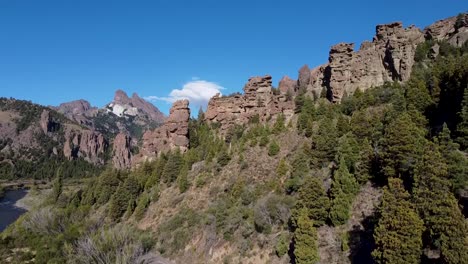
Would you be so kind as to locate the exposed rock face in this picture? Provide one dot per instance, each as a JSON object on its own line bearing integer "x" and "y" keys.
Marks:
{"x": 286, "y": 85}
{"x": 44, "y": 122}
{"x": 257, "y": 100}
{"x": 171, "y": 135}
{"x": 121, "y": 154}
{"x": 85, "y": 144}
{"x": 389, "y": 57}
{"x": 77, "y": 107}
{"x": 79, "y": 111}
{"x": 453, "y": 29}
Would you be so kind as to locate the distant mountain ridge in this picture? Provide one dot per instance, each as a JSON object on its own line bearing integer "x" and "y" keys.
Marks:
{"x": 122, "y": 115}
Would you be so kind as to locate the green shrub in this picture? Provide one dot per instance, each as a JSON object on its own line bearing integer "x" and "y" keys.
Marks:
{"x": 273, "y": 149}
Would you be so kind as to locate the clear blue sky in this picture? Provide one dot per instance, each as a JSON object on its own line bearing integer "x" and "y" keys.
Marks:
{"x": 56, "y": 51}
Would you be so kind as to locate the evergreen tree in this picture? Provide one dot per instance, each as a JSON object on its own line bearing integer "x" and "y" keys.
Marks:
{"x": 399, "y": 230}
{"x": 446, "y": 228}
{"x": 108, "y": 182}
{"x": 348, "y": 149}
{"x": 279, "y": 125}
{"x": 312, "y": 197}
{"x": 462, "y": 127}
{"x": 305, "y": 118}
{"x": 324, "y": 143}
{"x": 364, "y": 164}
{"x": 457, "y": 163}
{"x": 57, "y": 185}
{"x": 182, "y": 180}
{"x": 343, "y": 190}
{"x": 403, "y": 143}
{"x": 156, "y": 174}
{"x": 172, "y": 167}
{"x": 282, "y": 168}
{"x": 300, "y": 168}
{"x": 305, "y": 240}
{"x": 124, "y": 198}
{"x": 417, "y": 95}
{"x": 342, "y": 125}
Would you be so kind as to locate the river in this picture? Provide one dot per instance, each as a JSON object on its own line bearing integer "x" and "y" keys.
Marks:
{"x": 8, "y": 211}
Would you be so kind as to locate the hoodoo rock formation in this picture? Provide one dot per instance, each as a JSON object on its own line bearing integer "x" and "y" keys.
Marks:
{"x": 258, "y": 100}
{"x": 171, "y": 135}
{"x": 121, "y": 153}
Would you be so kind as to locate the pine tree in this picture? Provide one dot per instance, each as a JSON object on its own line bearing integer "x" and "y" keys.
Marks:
{"x": 57, "y": 185}
{"x": 312, "y": 197}
{"x": 156, "y": 174}
{"x": 457, "y": 163}
{"x": 342, "y": 125}
{"x": 282, "y": 168}
{"x": 107, "y": 184}
{"x": 462, "y": 127}
{"x": 300, "y": 168}
{"x": 417, "y": 95}
{"x": 305, "y": 240}
{"x": 364, "y": 163}
{"x": 182, "y": 180}
{"x": 172, "y": 167}
{"x": 324, "y": 143}
{"x": 305, "y": 118}
{"x": 348, "y": 149}
{"x": 124, "y": 198}
{"x": 343, "y": 190}
{"x": 446, "y": 228}
{"x": 279, "y": 125}
{"x": 403, "y": 143}
{"x": 399, "y": 230}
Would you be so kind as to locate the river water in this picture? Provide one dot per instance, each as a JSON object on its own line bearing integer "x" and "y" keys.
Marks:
{"x": 8, "y": 211}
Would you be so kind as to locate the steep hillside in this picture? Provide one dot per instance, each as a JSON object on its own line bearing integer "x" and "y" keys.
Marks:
{"x": 36, "y": 141}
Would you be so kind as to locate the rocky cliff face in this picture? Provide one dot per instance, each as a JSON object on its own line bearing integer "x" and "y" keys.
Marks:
{"x": 86, "y": 144}
{"x": 258, "y": 100}
{"x": 171, "y": 135}
{"x": 47, "y": 123}
{"x": 453, "y": 29}
{"x": 388, "y": 57}
{"x": 121, "y": 153}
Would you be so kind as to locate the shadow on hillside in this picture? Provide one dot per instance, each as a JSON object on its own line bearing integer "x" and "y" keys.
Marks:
{"x": 361, "y": 241}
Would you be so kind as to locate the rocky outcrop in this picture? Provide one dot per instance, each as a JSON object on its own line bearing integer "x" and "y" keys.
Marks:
{"x": 454, "y": 30}
{"x": 47, "y": 123}
{"x": 86, "y": 144}
{"x": 258, "y": 100}
{"x": 287, "y": 85}
{"x": 388, "y": 57}
{"x": 173, "y": 134}
{"x": 79, "y": 111}
{"x": 121, "y": 153}
{"x": 77, "y": 107}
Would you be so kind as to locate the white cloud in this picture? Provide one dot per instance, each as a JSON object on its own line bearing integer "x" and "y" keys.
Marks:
{"x": 197, "y": 91}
